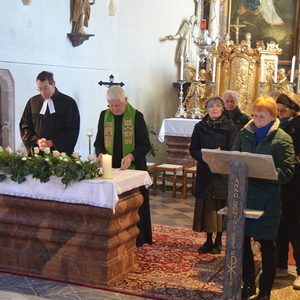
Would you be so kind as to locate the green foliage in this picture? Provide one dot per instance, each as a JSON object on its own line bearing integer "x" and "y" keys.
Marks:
{"x": 152, "y": 150}
{"x": 70, "y": 169}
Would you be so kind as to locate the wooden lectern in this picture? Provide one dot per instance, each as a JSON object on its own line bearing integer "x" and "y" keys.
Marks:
{"x": 239, "y": 166}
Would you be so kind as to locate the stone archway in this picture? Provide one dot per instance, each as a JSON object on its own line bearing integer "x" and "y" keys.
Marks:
{"x": 7, "y": 109}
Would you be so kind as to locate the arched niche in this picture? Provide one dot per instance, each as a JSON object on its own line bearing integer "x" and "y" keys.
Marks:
{"x": 7, "y": 109}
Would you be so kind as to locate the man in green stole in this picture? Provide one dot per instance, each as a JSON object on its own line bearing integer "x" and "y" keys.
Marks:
{"x": 122, "y": 132}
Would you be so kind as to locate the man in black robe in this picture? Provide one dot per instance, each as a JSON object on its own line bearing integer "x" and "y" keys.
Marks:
{"x": 50, "y": 119}
{"x": 123, "y": 156}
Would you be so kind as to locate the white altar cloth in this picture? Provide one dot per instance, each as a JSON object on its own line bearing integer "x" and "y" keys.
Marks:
{"x": 177, "y": 127}
{"x": 96, "y": 192}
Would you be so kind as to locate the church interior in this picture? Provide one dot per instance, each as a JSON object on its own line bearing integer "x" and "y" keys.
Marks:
{"x": 169, "y": 56}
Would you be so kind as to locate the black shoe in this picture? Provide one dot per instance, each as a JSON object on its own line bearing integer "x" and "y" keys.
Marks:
{"x": 262, "y": 296}
{"x": 216, "y": 249}
{"x": 205, "y": 248}
{"x": 248, "y": 290}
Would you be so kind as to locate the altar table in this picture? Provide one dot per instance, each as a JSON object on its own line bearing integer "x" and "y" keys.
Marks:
{"x": 53, "y": 232}
{"x": 178, "y": 132}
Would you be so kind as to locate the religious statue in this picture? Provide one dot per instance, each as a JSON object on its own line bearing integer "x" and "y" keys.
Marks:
{"x": 284, "y": 80}
{"x": 246, "y": 44}
{"x": 226, "y": 46}
{"x": 186, "y": 37}
{"x": 81, "y": 15}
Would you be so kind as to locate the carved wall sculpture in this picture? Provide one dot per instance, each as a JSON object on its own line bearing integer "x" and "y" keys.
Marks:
{"x": 242, "y": 68}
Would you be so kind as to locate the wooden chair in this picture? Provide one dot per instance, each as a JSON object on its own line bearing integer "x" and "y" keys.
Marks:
{"x": 166, "y": 172}
{"x": 150, "y": 166}
{"x": 186, "y": 179}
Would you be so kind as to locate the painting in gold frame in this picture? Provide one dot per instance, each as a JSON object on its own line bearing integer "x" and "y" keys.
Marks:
{"x": 267, "y": 20}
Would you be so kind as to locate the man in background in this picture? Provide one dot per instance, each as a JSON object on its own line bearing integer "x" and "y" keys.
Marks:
{"x": 233, "y": 111}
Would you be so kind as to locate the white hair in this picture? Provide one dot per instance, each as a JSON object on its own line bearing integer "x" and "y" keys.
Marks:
{"x": 115, "y": 92}
{"x": 233, "y": 93}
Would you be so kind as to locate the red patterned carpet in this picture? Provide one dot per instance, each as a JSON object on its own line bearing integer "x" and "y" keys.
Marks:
{"x": 171, "y": 268}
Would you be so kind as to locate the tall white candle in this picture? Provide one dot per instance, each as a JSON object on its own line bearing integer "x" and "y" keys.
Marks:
{"x": 107, "y": 166}
{"x": 181, "y": 67}
{"x": 276, "y": 69}
{"x": 214, "y": 69}
{"x": 293, "y": 69}
{"x": 197, "y": 68}
{"x": 262, "y": 68}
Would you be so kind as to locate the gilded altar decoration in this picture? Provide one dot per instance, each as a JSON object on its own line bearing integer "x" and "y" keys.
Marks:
{"x": 203, "y": 90}
{"x": 242, "y": 68}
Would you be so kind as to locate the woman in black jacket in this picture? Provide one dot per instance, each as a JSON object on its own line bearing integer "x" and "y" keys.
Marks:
{"x": 289, "y": 227}
{"x": 214, "y": 131}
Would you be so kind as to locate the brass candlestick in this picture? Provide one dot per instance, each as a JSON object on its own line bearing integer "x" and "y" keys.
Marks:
{"x": 180, "y": 110}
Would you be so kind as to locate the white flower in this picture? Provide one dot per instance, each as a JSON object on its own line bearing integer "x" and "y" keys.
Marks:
{"x": 8, "y": 149}
{"x": 60, "y": 158}
{"x": 90, "y": 157}
{"x": 47, "y": 159}
{"x": 24, "y": 158}
{"x": 36, "y": 150}
{"x": 65, "y": 159}
{"x": 47, "y": 150}
{"x": 78, "y": 162}
{"x": 63, "y": 154}
{"x": 56, "y": 153}
{"x": 1, "y": 149}
{"x": 75, "y": 154}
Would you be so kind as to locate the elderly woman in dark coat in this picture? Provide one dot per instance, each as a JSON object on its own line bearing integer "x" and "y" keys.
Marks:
{"x": 262, "y": 135}
{"x": 214, "y": 131}
{"x": 289, "y": 227}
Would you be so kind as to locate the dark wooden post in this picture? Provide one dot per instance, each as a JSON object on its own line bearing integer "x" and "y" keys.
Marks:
{"x": 237, "y": 196}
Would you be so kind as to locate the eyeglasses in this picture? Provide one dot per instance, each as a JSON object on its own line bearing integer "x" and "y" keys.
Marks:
{"x": 282, "y": 110}
{"x": 45, "y": 88}
{"x": 261, "y": 117}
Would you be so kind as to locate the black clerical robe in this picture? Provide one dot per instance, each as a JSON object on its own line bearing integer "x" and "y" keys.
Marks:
{"x": 142, "y": 147}
{"x": 62, "y": 127}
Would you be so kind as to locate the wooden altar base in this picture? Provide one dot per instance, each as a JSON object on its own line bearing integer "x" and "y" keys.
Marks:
{"x": 178, "y": 151}
{"x": 75, "y": 243}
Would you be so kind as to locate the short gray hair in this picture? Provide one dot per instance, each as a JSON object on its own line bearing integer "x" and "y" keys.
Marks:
{"x": 115, "y": 92}
{"x": 233, "y": 93}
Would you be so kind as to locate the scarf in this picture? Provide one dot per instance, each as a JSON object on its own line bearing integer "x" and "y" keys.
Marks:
{"x": 261, "y": 132}
{"x": 213, "y": 124}
{"x": 128, "y": 137}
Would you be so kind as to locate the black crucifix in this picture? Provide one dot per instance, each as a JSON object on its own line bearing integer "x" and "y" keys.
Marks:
{"x": 237, "y": 27}
{"x": 239, "y": 166}
{"x": 111, "y": 82}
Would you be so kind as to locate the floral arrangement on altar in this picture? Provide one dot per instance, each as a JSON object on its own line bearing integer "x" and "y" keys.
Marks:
{"x": 17, "y": 165}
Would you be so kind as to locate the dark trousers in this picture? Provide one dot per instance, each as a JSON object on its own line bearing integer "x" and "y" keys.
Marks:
{"x": 268, "y": 252}
{"x": 288, "y": 233}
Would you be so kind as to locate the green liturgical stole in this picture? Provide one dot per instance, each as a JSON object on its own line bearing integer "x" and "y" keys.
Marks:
{"x": 128, "y": 138}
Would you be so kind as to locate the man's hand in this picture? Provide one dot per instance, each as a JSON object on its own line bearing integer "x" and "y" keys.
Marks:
{"x": 99, "y": 159}
{"x": 126, "y": 161}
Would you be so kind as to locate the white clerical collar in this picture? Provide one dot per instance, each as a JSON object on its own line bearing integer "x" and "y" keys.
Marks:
{"x": 50, "y": 103}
